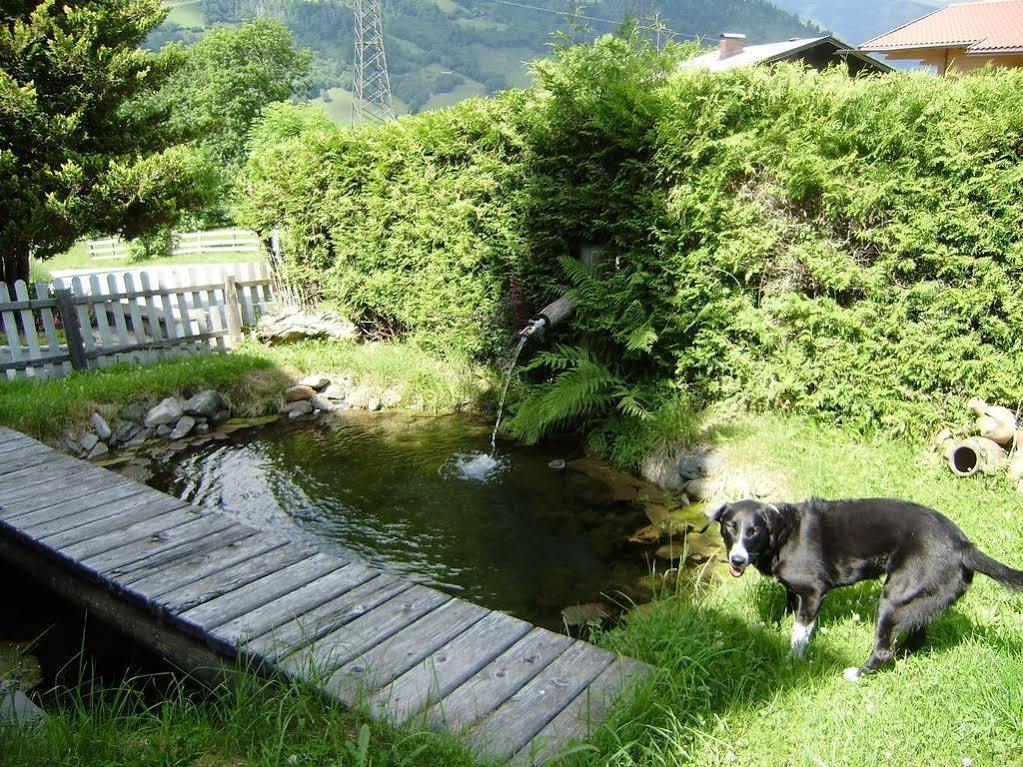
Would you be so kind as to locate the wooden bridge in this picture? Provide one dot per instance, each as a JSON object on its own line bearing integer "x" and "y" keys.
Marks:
{"x": 203, "y": 590}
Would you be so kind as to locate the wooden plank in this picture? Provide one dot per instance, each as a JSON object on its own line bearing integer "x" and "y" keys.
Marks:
{"x": 49, "y": 520}
{"x": 113, "y": 530}
{"x": 10, "y": 328}
{"x": 31, "y": 455}
{"x": 106, "y": 339}
{"x": 116, "y": 309}
{"x": 248, "y": 304}
{"x": 50, "y": 328}
{"x": 394, "y": 656}
{"x": 45, "y": 508}
{"x": 164, "y": 540}
{"x": 186, "y": 319}
{"x": 182, "y": 598}
{"x": 25, "y": 484}
{"x": 168, "y": 313}
{"x": 28, "y": 322}
{"x": 366, "y": 631}
{"x": 498, "y": 680}
{"x": 294, "y": 605}
{"x": 138, "y": 329}
{"x": 257, "y": 593}
{"x": 152, "y": 315}
{"x": 326, "y": 618}
{"x": 527, "y": 712}
{"x": 191, "y": 551}
{"x": 580, "y": 718}
{"x": 447, "y": 667}
{"x": 84, "y": 321}
{"x": 163, "y": 578}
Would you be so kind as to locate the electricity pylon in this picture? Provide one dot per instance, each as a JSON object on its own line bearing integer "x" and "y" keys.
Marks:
{"x": 372, "y": 84}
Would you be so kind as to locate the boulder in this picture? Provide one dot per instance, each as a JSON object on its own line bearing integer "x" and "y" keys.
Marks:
{"x": 98, "y": 450}
{"x": 319, "y": 402}
{"x": 206, "y": 404}
{"x": 88, "y": 441}
{"x": 220, "y": 417}
{"x": 133, "y": 412}
{"x": 139, "y": 438}
{"x": 300, "y": 407}
{"x": 374, "y": 404}
{"x": 183, "y": 427}
{"x": 582, "y": 615}
{"x": 164, "y": 429}
{"x": 299, "y": 392}
{"x": 167, "y": 412}
{"x": 295, "y": 324}
{"x": 336, "y": 392}
{"x": 661, "y": 469}
{"x": 315, "y": 382}
{"x": 101, "y": 427}
{"x": 201, "y": 428}
{"x": 124, "y": 432}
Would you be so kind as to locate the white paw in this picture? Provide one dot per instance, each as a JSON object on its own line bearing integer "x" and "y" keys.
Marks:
{"x": 797, "y": 651}
{"x": 852, "y": 674}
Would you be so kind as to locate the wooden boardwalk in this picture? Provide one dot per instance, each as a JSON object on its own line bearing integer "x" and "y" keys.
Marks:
{"x": 203, "y": 589}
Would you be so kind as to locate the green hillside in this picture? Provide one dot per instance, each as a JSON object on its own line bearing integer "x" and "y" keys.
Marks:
{"x": 442, "y": 51}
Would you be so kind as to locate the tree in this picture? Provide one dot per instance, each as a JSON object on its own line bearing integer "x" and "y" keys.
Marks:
{"x": 82, "y": 148}
{"x": 227, "y": 79}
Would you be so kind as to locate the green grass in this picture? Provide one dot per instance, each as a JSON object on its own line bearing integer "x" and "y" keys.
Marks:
{"x": 465, "y": 90}
{"x": 256, "y": 722}
{"x": 730, "y": 695}
{"x": 252, "y": 378}
{"x": 186, "y": 15}
{"x": 339, "y": 108}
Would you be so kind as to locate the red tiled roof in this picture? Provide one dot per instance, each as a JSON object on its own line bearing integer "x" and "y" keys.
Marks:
{"x": 985, "y": 27}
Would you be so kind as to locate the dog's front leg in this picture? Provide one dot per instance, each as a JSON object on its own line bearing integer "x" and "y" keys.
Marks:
{"x": 806, "y": 618}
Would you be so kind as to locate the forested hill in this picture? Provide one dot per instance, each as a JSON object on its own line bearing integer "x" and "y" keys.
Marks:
{"x": 441, "y": 51}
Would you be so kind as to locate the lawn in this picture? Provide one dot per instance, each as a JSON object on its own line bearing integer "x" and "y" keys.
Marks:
{"x": 727, "y": 693}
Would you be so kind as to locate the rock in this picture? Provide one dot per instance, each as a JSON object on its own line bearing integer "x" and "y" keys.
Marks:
{"x": 294, "y": 324}
{"x": 672, "y": 550}
{"x": 206, "y": 404}
{"x": 98, "y": 451}
{"x": 101, "y": 426}
{"x": 220, "y": 417}
{"x": 16, "y": 707}
{"x": 622, "y": 486}
{"x": 374, "y": 404}
{"x": 139, "y": 438}
{"x": 391, "y": 398}
{"x": 168, "y": 411}
{"x": 558, "y": 464}
{"x": 182, "y": 428}
{"x": 299, "y": 392}
{"x": 335, "y": 393}
{"x": 88, "y": 441}
{"x": 646, "y": 535}
{"x": 582, "y": 615}
{"x": 295, "y": 409}
{"x": 164, "y": 430}
{"x": 319, "y": 402}
{"x": 201, "y": 428}
{"x": 315, "y": 382}
{"x": 73, "y": 445}
{"x": 133, "y": 412}
{"x": 699, "y": 489}
{"x": 124, "y": 432}
{"x": 661, "y": 469}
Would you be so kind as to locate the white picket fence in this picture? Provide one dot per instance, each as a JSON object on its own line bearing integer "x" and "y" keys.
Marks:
{"x": 217, "y": 241}
{"x": 94, "y": 321}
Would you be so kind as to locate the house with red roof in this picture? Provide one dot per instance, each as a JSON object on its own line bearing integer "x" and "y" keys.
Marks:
{"x": 961, "y": 37}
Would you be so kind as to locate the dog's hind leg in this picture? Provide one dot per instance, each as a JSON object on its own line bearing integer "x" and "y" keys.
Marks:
{"x": 806, "y": 617}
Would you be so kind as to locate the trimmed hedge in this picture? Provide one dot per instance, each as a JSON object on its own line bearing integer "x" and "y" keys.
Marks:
{"x": 779, "y": 237}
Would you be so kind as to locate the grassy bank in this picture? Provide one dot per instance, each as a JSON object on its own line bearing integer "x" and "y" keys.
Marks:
{"x": 252, "y": 378}
{"x": 728, "y": 694}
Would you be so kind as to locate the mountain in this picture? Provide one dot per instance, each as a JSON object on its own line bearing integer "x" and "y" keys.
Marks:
{"x": 441, "y": 51}
{"x": 856, "y": 21}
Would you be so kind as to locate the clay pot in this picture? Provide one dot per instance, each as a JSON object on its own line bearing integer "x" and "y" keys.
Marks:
{"x": 993, "y": 421}
{"x": 972, "y": 455}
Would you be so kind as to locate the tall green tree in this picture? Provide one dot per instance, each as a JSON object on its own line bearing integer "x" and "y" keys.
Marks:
{"x": 227, "y": 79}
{"x": 83, "y": 147}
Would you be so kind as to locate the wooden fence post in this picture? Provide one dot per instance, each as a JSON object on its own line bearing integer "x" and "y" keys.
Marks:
{"x": 233, "y": 313}
{"x": 72, "y": 330}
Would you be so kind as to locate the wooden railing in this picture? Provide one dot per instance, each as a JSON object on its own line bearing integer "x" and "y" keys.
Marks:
{"x": 238, "y": 241}
{"x": 93, "y": 322}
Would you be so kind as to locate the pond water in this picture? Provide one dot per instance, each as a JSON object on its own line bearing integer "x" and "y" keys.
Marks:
{"x": 419, "y": 497}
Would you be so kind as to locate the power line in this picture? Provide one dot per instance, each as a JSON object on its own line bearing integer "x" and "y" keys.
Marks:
{"x": 570, "y": 14}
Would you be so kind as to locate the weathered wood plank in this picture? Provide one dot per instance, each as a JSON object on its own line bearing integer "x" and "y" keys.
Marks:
{"x": 109, "y": 530}
{"x": 10, "y": 327}
{"x": 224, "y": 581}
{"x": 394, "y": 656}
{"x": 512, "y": 725}
{"x": 143, "y": 528}
{"x": 368, "y": 630}
{"x": 498, "y": 680}
{"x": 580, "y": 718}
{"x": 256, "y": 594}
{"x": 41, "y": 509}
{"x": 163, "y": 578}
{"x": 294, "y": 605}
{"x": 24, "y": 487}
{"x": 448, "y": 667}
{"x": 49, "y": 326}
{"x": 184, "y": 550}
{"x": 31, "y": 455}
{"x": 43, "y": 523}
{"x": 28, "y": 325}
{"x": 328, "y": 617}
{"x": 157, "y": 543}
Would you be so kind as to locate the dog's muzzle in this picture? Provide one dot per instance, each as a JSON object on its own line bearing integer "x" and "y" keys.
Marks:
{"x": 737, "y": 565}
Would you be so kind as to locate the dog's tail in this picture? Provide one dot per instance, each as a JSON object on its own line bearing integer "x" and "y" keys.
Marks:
{"x": 977, "y": 560}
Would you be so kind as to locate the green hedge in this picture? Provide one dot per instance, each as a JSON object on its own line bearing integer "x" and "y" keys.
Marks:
{"x": 779, "y": 237}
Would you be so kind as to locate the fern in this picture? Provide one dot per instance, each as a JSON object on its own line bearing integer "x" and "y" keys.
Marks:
{"x": 584, "y": 388}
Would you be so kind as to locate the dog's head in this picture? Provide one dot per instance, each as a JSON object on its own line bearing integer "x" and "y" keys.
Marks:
{"x": 748, "y": 529}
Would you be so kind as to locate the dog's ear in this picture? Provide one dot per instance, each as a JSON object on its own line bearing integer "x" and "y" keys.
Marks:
{"x": 715, "y": 516}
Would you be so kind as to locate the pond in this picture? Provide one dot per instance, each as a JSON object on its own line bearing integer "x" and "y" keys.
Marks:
{"x": 401, "y": 492}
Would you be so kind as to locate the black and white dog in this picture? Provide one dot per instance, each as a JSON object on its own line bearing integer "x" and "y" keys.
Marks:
{"x": 815, "y": 546}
